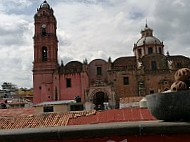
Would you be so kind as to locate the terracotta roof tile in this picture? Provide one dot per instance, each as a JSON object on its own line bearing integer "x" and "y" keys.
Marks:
{"x": 110, "y": 116}
{"x": 119, "y": 115}
{"x": 16, "y": 112}
{"x": 128, "y": 115}
{"x": 74, "y": 118}
{"x": 41, "y": 120}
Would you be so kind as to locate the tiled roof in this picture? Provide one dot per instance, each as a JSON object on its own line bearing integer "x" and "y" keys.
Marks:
{"x": 16, "y": 112}
{"x": 123, "y": 61}
{"x": 176, "y": 57}
{"x": 41, "y": 120}
{"x": 118, "y": 115}
{"x": 17, "y": 103}
{"x": 74, "y": 118}
{"x": 56, "y": 103}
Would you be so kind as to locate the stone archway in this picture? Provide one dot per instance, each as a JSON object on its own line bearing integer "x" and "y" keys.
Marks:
{"x": 101, "y": 99}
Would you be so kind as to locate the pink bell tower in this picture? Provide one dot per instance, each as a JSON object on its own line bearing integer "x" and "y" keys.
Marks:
{"x": 45, "y": 54}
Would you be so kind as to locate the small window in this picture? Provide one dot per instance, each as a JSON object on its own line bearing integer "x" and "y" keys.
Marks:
{"x": 150, "y": 50}
{"x": 99, "y": 70}
{"x": 48, "y": 109}
{"x": 140, "y": 52}
{"x": 126, "y": 81}
{"x": 151, "y": 91}
{"x": 40, "y": 87}
{"x": 160, "y": 50}
{"x": 68, "y": 82}
{"x": 44, "y": 54}
{"x": 44, "y": 13}
{"x": 76, "y": 108}
{"x": 154, "y": 67}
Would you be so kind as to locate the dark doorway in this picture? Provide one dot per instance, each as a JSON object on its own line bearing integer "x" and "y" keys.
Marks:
{"x": 99, "y": 99}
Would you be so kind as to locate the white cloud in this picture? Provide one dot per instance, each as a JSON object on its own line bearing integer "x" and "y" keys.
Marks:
{"x": 15, "y": 49}
{"x": 15, "y": 4}
{"x": 92, "y": 28}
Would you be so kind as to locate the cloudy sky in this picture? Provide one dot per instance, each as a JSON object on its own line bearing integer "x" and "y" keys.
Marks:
{"x": 89, "y": 29}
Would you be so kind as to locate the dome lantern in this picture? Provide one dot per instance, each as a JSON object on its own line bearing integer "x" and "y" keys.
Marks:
{"x": 45, "y": 5}
{"x": 147, "y": 31}
{"x": 147, "y": 44}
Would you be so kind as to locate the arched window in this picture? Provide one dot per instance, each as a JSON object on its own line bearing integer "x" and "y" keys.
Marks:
{"x": 44, "y": 13}
{"x": 150, "y": 50}
{"x": 44, "y": 54}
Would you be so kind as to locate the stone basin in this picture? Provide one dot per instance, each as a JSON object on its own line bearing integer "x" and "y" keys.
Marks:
{"x": 170, "y": 106}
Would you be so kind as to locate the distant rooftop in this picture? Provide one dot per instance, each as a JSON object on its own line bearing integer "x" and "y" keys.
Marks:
{"x": 56, "y": 103}
{"x": 16, "y": 112}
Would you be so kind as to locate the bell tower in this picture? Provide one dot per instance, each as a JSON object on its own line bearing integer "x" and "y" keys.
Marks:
{"x": 45, "y": 53}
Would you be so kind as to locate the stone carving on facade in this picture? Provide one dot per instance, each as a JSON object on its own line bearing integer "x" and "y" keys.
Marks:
{"x": 170, "y": 64}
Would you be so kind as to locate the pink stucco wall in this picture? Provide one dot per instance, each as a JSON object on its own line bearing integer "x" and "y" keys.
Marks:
{"x": 43, "y": 91}
{"x": 79, "y": 81}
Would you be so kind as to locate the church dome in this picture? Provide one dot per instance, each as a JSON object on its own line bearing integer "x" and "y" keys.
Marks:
{"x": 147, "y": 44}
{"x": 148, "y": 40}
{"x": 45, "y": 5}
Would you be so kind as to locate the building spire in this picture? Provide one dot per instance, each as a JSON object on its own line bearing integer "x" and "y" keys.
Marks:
{"x": 62, "y": 63}
{"x": 167, "y": 53}
{"x": 146, "y": 26}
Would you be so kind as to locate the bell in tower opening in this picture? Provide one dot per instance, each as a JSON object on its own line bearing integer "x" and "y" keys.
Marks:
{"x": 44, "y": 30}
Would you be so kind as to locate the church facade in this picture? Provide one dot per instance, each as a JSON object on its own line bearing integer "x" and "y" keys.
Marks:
{"x": 99, "y": 82}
